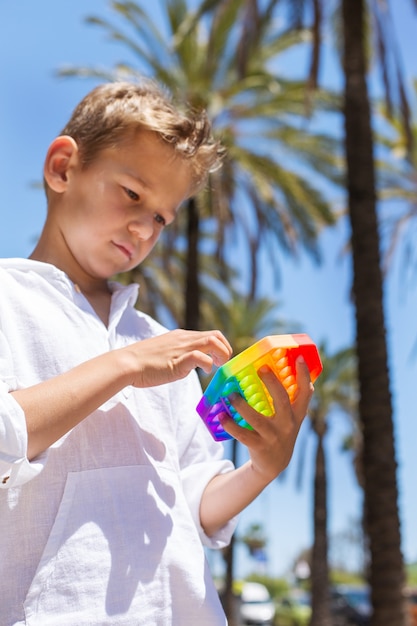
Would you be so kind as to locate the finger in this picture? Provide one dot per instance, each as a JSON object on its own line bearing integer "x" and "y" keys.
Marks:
{"x": 194, "y": 359}
{"x": 276, "y": 389}
{"x": 305, "y": 388}
{"x": 242, "y": 434}
{"x": 302, "y": 373}
{"x": 216, "y": 344}
{"x": 256, "y": 420}
{"x": 193, "y": 344}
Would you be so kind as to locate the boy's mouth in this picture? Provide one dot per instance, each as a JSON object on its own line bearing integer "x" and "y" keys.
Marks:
{"x": 125, "y": 250}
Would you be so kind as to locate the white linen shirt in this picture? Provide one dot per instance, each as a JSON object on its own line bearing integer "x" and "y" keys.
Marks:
{"x": 103, "y": 528}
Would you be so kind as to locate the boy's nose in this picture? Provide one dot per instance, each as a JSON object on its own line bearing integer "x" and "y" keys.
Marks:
{"x": 142, "y": 230}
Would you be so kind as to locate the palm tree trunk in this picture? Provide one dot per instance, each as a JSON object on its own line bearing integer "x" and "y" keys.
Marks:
{"x": 320, "y": 596}
{"x": 192, "y": 284}
{"x": 381, "y": 492}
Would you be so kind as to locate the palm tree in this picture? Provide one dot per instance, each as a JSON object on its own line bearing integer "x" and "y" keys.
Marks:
{"x": 260, "y": 196}
{"x": 375, "y": 407}
{"x": 387, "y": 576}
{"x": 335, "y": 390}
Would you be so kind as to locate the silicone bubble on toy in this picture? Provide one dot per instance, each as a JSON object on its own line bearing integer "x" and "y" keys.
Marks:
{"x": 240, "y": 375}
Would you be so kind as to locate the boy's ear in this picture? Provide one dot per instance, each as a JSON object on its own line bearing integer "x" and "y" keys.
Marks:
{"x": 61, "y": 156}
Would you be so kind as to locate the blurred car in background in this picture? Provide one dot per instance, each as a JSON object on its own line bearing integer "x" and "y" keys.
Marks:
{"x": 351, "y": 605}
{"x": 294, "y": 610}
{"x": 256, "y": 605}
{"x": 354, "y": 604}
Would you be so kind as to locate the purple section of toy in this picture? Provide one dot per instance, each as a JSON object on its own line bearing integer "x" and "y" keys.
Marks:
{"x": 211, "y": 414}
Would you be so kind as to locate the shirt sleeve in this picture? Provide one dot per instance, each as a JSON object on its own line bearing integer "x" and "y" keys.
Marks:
{"x": 15, "y": 468}
{"x": 201, "y": 459}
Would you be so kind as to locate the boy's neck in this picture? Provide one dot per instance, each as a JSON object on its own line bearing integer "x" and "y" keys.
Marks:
{"x": 98, "y": 295}
{"x": 100, "y": 301}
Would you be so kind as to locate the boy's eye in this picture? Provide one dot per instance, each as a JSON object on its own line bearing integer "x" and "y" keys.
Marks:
{"x": 161, "y": 220}
{"x": 132, "y": 194}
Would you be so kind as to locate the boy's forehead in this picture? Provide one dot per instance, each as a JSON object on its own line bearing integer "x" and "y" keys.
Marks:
{"x": 134, "y": 145}
{"x": 156, "y": 138}
{"x": 147, "y": 141}
{"x": 149, "y": 144}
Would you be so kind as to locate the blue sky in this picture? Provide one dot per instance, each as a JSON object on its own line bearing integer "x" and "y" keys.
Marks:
{"x": 36, "y": 38}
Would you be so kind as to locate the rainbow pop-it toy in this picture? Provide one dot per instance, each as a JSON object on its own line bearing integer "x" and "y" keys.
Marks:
{"x": 239, "y": 375}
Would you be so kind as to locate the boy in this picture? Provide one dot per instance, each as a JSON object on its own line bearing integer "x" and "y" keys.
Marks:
{"x": 111, "y": 484}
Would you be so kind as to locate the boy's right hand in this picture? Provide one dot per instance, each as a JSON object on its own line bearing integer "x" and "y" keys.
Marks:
{"x": 173, "y": 355}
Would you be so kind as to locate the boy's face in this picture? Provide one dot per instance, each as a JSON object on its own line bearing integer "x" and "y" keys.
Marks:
{"x": 112, "y": 213}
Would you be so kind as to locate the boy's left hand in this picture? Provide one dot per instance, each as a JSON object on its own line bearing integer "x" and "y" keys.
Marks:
{"x": 271, "y": 442}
